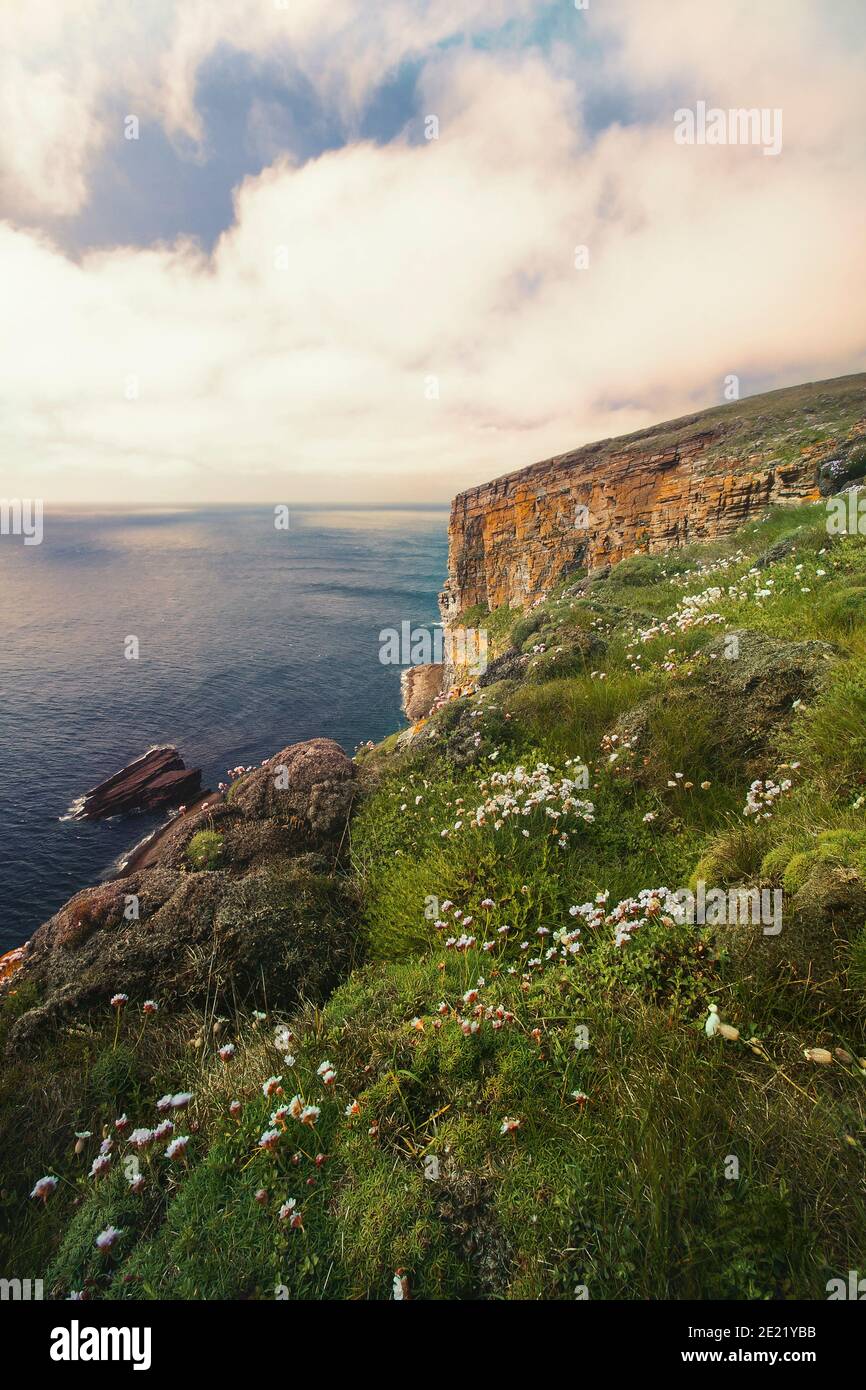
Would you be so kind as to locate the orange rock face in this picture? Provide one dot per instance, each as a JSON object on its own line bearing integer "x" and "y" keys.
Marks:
{"x": 690, "y": 480}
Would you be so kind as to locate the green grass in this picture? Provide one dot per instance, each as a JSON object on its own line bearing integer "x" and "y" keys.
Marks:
{"x": 695, "y": 1167}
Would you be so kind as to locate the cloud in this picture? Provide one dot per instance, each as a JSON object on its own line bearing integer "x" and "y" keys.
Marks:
{"x": 294, "y": 363}
{"x": 71, "y": 70}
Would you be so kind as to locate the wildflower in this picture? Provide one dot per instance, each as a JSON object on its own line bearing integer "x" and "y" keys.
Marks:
{"x": 235, "y": 1108}
{"x": 487, "y": 902}
{"x": 261, "y": 1196}
{"x": 140, "y": 1138}
{"x": 227, "y": 1052}
{"x": 711, "y": 1026}
{"x": 136, "y": 1182}
{"x": 310, "y": 1114}
{"x": 118, "y": 1000}
{"x": 325, "y": 1067}
{"x": 162, "y": 1131}
{"x": 272, "y": 1086}
{"x": 121, "y": 1123}
{"x": 650, "y": 817}
{"x": 150, "y": 1007}
{"x": 352, "y": 1109}
{"x": 44, "y": 1188}
{"x": 580, "y": 1096}
{"x": 100, "y": 1165}
{"x": 417, "y": 1024}
{"x": 177, "y": 1148}
{"x": 289, "y": 1060}
{"x": 270, "y": 1140}
{"x": 108, "y": 1238}
{"x": 509, "y": 1125}
{"x": 287, "y": 1208}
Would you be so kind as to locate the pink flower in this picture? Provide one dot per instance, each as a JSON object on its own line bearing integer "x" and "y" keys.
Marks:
{"x": 149, "y": 1007}
{"x": 177, "y": 1148}
{"x": 227, "y": 1052}
{"x": 108, "y": 1238}
{"x": 44, "y": 1188}
{"x": 118, "y": 1000}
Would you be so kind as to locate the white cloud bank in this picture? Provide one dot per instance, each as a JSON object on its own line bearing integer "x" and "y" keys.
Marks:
{"x": 293, "y": 364}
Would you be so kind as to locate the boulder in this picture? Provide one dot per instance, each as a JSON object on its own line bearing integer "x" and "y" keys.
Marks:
{"x": 308, "y": 786}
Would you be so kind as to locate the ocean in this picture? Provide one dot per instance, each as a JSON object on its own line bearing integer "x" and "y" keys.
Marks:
{"x": 249, "y": 638}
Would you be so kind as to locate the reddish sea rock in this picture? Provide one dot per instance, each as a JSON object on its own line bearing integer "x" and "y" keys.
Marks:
{"x": 159, "y": 778}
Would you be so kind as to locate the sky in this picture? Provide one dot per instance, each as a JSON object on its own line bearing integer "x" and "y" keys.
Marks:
{"x": 295, "y": 251}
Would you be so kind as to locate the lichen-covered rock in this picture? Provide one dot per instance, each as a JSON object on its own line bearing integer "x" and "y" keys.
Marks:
{"x": 272, "y": 936}
{"x": 511, "y": 665}
{"x": 308, "y": 786}
{"x": 734, "y": 705}
{"x": 752, "y": 680}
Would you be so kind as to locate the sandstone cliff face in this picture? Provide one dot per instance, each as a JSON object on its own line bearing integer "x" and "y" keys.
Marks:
{"x": 688, "y": 480}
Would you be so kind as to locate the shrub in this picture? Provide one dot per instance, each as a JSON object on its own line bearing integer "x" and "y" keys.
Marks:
{"x": 204, "y": 850}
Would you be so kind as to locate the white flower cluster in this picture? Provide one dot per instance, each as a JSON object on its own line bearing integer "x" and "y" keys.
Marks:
{"x": 763, "y": 795}
{"x": 519, "y": 792}
{"x": 627, "y": 917}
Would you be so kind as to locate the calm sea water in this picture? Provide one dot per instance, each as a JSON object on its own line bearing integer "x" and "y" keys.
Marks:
{"x": 250, "y": 639}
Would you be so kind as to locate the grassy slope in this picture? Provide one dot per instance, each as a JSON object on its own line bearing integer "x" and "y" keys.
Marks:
{"x": 625, "y": 1192}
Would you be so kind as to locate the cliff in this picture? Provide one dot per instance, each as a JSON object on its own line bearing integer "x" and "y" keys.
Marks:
{"x": 687, "y": 480}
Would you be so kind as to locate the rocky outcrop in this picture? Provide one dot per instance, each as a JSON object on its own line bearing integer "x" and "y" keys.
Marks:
{"x": 421, "y": 686}
{"x": 160, "y": 778}
{"x": 692, "y": 479}
{"x": 272, "y": 920}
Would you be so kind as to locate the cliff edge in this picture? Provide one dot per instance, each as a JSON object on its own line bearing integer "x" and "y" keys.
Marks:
{"x": 686, "y": 480}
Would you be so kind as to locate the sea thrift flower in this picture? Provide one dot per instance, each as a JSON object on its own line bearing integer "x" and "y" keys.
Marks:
{"x": 353, "y": 1109}
{"x": 44, "y": 1188}
{"x": 118, "y": 1000}
{"x": 261, "y": 1196}
{"x": 310, "y": 1114}
{"x": 121, "y": 1123}
{"x": 137, "y": 1183}
{"x": 100, "y": 1165}
{"x": 162, "y": 1131}
{"x": 272, "y": 1086}
{"x": 140, "y": 1138}
{"x": 181, "y": 1100}
{"x": 325, "y": 1067}
{"x": 509, "y": 1125}
{"x": 150, "y": 1007}
{"x": 227, "y": 1052}
{"x": 235, "y": 1108}
{"x": 108, "y": 1238}
{"x": 177, "y": 1148}
{"x": 270, "y": 1140}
